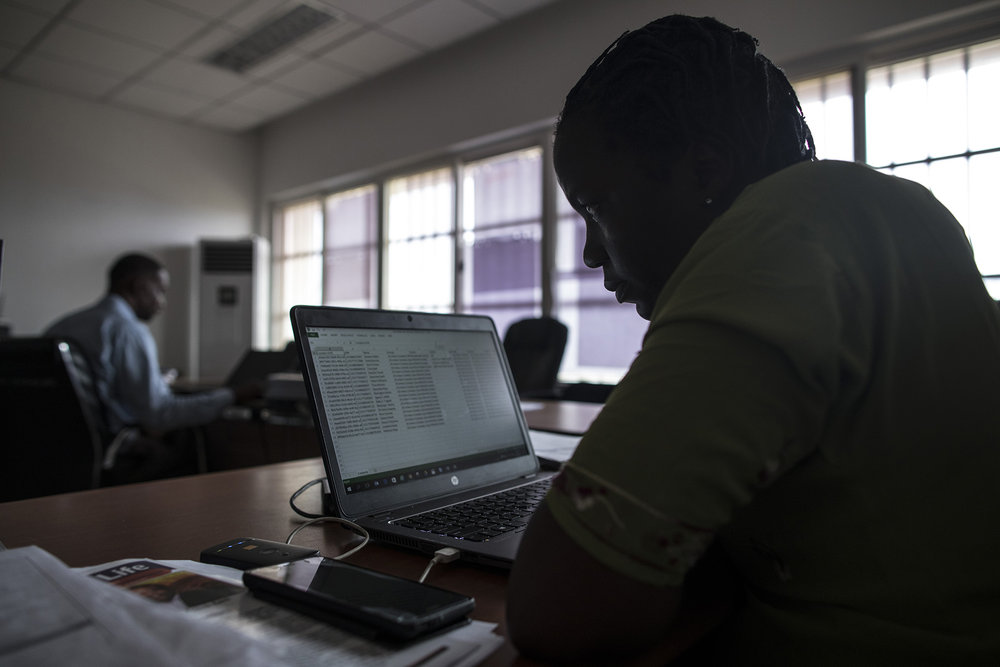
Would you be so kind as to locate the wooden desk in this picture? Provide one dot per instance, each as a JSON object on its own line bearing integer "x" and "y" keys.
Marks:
{"x": 560, "y": 416}
{"x": 177, "y": 518}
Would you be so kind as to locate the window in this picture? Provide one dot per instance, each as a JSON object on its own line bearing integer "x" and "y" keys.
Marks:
{"x": 466, "y": 237}
{"x": 604, "y": 335}
{"x": 420, "y": 248}
{"x": 297, "y": 250}
{"x": 933, "y": 120}
{"x": 479, "y": 234}
{"x": 501, "y": 244}
{"x": 487, "y": 260}
{"x": 930, "y": 119}
{"x": 325, "y": 251}
{"x": 350, "y": 258}
{"x": 828, "y": 107}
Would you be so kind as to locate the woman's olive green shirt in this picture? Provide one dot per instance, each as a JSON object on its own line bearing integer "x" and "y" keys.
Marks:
{"x": 819, "y": 389}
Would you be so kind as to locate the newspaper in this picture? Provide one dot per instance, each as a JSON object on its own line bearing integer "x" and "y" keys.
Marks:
{"x": 142, "y": 611}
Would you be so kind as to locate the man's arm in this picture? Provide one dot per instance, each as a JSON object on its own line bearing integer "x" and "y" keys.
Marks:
{"x": 141, "y": 388}
{"x": 565, "y": 606}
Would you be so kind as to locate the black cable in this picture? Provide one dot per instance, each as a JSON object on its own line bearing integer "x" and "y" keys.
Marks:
{"x": 365, "y": 537}
{"x": 320, "y": 518}
{"x": 291, "y": 501}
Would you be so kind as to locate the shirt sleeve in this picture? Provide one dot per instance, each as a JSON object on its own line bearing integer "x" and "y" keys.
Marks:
{"x": 148, "y": 397}
{"x": 729, "y": 391}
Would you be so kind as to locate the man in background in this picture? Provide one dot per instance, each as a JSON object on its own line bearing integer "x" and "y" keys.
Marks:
{"x": 112, "y": 334}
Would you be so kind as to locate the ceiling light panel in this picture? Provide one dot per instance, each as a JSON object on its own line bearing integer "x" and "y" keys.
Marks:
{"x": 271, "y": 38}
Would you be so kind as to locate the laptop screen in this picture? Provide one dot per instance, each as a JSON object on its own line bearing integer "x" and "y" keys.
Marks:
{"x": 410, "y": 407}
{"x": 404, "y": 405}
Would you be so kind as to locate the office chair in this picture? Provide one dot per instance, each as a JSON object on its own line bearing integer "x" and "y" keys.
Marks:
{"x": 535, "y": 348}
{"x": 50, "y": 433}
{"x": 586, "y": 392}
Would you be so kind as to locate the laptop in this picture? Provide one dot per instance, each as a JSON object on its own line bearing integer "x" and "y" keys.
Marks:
{"x": 257, "y": 365}
{"x": 420, "y": 425}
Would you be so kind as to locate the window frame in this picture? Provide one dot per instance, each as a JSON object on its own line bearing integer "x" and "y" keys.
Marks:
{"x": 959, "y": 30}
{"x": 538, "y": 135}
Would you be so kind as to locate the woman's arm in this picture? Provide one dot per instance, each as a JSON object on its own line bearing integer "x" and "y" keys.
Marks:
{"x": 565, "y": 606}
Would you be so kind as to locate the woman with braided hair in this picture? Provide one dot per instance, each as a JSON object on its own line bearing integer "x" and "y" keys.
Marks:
{"x": 816, "y": 397}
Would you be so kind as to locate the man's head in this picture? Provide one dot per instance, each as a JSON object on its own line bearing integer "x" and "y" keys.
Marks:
{"x": 142, "y": 282}
{"x": 659, "y": 136}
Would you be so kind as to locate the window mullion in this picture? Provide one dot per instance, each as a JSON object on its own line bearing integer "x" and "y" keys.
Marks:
{"x": 457, "y": 224}
{"x": 550, "y": 215}
{"x": 859, "y": 88}
{"x": 380, "y": 244}
{"x": 383, "y": 293}
{"x": 323, "y": 250}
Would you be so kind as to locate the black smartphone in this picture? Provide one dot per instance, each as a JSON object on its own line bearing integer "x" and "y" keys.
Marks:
{"x": 370, "y": 603}
{"x": 249, "y": 552}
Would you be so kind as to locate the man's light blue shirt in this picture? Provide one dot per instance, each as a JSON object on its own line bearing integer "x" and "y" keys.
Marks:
{"x": 126, "y": 365}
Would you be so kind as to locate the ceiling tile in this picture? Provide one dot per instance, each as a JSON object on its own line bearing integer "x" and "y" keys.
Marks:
{"x": 440, "y": 22}
{"x": 510, "y": 8}
{"x": 210, "y": 41}
{"x": 275, "y": 65}
{"x": 18, "y": 26}
{"x": 366, "y": 10}
{"x": 65, "y": 76}
{"x": 149, "y": 55}
{"x": 232, "y": 117}
{"x": 371, "y": 52}
{"x": 268, "y": 99}
{"x": 195, "y": 78}
{"x": 90, "y": 48}
{"x": 7, "y": 54}
{"x": 316, "y": 79}
{"x": 256, "y": 12}
{"x": 212, "y": 8}
{"x": 327, "y": 35}
{"x": 158, "y": 100}
{"x": 44, "y": 6}
{"x": 139, "y": 20}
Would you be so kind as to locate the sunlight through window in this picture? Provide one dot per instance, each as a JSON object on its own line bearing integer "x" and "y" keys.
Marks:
{"x": 420, "y": 252}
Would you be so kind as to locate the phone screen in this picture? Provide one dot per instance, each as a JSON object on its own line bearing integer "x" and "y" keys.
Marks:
{"x": 396, "y": 606}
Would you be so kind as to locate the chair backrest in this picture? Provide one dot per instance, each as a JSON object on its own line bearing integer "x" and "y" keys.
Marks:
{"x": 50, "y": 431}
{"x": 586, "y": 392}
{"x": 535, "y": 349}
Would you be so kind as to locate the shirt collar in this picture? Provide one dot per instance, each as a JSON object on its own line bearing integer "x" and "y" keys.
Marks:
{"x": 121, "y": 307}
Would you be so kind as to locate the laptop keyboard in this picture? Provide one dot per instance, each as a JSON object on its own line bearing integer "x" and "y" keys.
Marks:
{"x": 484, "y": 518}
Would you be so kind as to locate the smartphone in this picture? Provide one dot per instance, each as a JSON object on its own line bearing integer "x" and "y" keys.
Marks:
{"x": 369, "y": 603}
{"x": 250, "y": 552}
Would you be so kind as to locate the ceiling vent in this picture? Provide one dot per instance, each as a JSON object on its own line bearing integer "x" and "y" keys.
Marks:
{"x": 270, "y": 38}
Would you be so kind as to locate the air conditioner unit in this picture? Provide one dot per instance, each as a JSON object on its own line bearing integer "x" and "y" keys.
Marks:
{"x": 233, "y": 284}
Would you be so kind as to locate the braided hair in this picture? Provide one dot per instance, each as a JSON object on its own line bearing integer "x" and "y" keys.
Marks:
{"x": 681, "y": 79}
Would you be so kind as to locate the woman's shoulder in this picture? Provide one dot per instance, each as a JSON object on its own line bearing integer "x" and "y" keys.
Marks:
{"x": 823, "y": 188}
{"x": 829, "y": 176}
{"x": 818, "y": 174}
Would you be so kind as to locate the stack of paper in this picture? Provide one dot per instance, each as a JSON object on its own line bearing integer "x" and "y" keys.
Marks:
{"x": 199, "y": 615}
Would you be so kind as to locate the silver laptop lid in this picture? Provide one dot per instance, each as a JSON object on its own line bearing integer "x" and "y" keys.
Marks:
{"x": 409, "y": 407}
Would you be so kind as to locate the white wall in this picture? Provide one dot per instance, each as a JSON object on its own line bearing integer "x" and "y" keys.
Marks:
{"x": 519, "y": 73}
{"x": 81, "y": 183}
